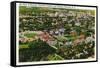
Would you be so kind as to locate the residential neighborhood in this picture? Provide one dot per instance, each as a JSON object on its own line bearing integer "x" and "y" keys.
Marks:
{"x": 47, "y": 34}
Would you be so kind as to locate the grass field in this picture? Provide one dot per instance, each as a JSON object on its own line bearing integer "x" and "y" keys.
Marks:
{"x": 23, "y": 46}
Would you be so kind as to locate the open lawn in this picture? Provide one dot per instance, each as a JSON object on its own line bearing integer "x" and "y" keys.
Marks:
{"x": 23, "y": 46}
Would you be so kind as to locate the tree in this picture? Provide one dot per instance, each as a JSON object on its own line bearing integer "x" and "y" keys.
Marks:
{"x": 40, "y": 49}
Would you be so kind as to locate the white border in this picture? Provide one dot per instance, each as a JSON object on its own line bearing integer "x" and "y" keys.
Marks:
{"x": 47, "y": 62}
{"x": 55, "y": 6}
{"x": 17, "y": 33}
